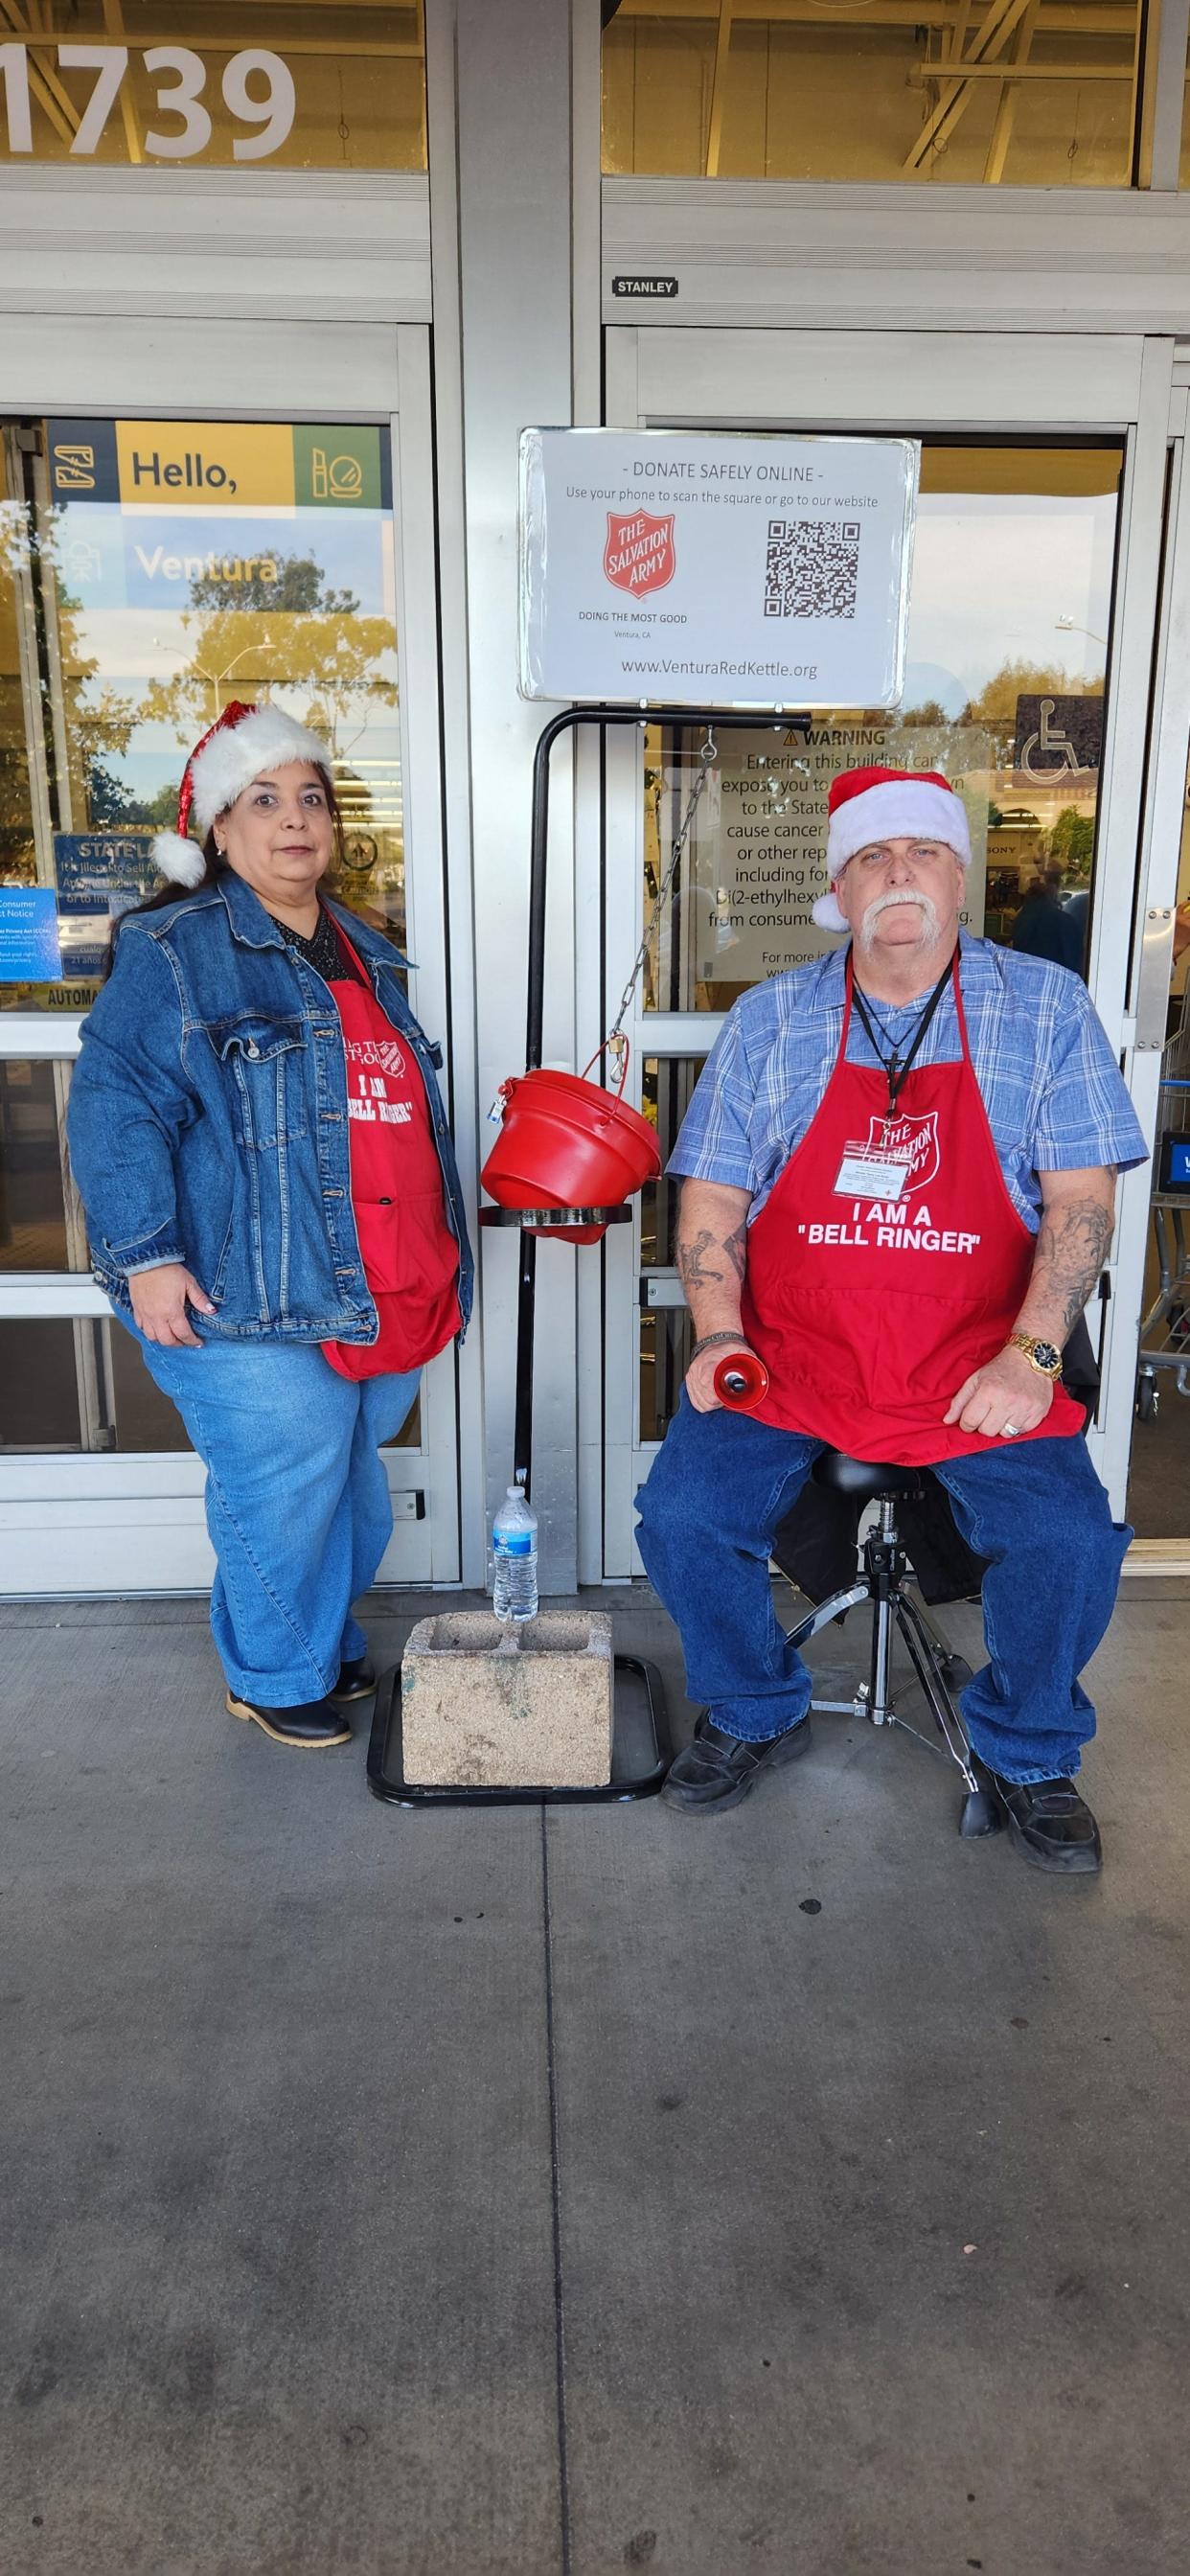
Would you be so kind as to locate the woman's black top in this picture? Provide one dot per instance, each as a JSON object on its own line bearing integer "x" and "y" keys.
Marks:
{"x": 327, "y": 952}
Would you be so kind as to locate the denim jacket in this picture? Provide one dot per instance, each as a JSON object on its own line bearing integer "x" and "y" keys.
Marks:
{"x": 208, "y": 1120}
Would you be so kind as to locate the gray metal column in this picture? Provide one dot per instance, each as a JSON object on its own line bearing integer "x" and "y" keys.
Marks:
{"x": 500, "y": 193}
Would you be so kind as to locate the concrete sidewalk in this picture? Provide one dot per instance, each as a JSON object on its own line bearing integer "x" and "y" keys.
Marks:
{"x": 496, "y": 2194}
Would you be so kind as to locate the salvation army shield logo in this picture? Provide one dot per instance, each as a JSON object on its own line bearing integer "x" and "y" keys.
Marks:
{"x": 382, "y": 1055}
{"x": 908, "y": 1140}
{"x": 639, "y": 555}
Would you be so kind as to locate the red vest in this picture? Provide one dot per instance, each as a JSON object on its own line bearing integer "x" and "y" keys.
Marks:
{"x": 887, "y": 1264}
{"x": 410, "y": 1256}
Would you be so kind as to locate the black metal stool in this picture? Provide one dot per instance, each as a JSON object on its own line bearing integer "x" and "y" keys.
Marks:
{"x": 883, "y": 1583}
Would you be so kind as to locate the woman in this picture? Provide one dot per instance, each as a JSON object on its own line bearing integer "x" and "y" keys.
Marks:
{"x": 273, "y": 1206}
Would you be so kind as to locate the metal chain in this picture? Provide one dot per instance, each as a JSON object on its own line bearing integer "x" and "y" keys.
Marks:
{"x": 708, "y": 753}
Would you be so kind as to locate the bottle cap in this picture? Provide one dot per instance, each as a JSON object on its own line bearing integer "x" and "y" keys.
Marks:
{"x": 741, "y": 1381}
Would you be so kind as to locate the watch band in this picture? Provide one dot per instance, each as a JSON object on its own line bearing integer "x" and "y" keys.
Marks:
{"x": 709, "y": 1339}
{"x": 1030, "y": 1344}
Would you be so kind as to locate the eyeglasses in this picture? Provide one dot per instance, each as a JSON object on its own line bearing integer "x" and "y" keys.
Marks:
{"x": 921, "y": 854}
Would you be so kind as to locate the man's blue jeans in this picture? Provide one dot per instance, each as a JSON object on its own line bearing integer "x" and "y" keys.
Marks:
{"x": 708, "y": 1515}
{"x": 297, "y": 1502}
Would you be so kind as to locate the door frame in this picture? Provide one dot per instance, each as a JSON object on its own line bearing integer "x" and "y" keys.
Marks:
{"x": 912, "y": 382}
{"x": 1153, "y": 933}
{"x": 73, "y": 1523}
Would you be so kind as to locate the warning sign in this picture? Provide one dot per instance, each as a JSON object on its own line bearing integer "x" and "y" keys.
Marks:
{"x": 758, "y": 847}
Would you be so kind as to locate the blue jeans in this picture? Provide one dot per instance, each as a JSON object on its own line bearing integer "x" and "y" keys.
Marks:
{"x": 708, "y": 1515}
{"x": 297, "y": 1502}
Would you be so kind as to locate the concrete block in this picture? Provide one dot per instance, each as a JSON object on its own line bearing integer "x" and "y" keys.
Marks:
{"x": 485, "y": 1706}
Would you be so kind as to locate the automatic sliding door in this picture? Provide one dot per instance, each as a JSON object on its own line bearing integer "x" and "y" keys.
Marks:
{"x": 151, "y": 572}
{"x": 1159, "y": 1467}
{"x": 1013, "y": 579}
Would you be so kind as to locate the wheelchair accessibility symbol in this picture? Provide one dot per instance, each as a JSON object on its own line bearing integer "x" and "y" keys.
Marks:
{"x": 1056, "y": 752}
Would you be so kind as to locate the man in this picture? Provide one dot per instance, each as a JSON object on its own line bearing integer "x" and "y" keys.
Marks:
{"x": 1045, "y": 927}
{"x": 899, "y": 1181}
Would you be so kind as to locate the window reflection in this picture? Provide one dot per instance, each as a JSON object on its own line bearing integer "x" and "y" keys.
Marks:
{"x": 666, "y": 1344}
{"x": 1010, "y": 610}
{"x": 302, "y": 84}
{"x": 666, "y": 1335}
{"x": 40, "y": 1225}
{"x": 1159, "y": 1478}
{"x": 150, "y": 572}
{"x": 667, "y": 1088}
{"x": 82, "y": 1386}
{"x": 1032, "y": 93}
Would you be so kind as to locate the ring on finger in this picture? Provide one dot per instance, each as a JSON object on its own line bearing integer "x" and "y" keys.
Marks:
{"x": 1010, "y": 1431}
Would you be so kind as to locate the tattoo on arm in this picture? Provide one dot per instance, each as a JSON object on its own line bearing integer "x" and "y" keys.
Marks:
{"x": 1071, "y": 1249}
{"x": 736, "y": 1248}
{"x": 693, "y": 1268}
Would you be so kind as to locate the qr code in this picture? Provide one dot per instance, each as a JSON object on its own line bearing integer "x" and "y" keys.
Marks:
{"x": 811, "y": 568}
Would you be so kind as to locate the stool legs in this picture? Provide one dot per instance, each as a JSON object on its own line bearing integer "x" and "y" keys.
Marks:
{"x": 884, "y": 1562}
{"x": 926, "y": 1620}
{"x": 884, "y": 1585}
{"x": 980, "y": 1814}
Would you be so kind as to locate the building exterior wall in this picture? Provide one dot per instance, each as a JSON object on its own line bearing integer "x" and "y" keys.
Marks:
{"x": 502, "y": 275}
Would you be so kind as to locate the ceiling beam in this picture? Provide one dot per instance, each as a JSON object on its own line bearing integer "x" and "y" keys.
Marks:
{"x": 718, "y": 88}
{"x": 993, "y": 168}
{"x": 1085, "y": 17}
{"x": 46, "y": 87}
{"x": 955, "y": 97}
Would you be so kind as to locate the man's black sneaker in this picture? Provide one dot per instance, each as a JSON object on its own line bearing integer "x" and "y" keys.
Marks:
{"x": 1050, "y": 1823}
{"x": 717, "y": 1770}
{"x": 357, "y": 1680}
{"x": 313, "y": 1725}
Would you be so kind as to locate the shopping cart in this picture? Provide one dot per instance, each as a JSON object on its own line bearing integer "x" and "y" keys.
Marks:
{"x": 1165, "y": 1331}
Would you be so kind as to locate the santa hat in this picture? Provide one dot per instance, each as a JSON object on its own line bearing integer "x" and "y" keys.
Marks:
{"x": 866, "y": 805}
{"x": 238, "y": 746}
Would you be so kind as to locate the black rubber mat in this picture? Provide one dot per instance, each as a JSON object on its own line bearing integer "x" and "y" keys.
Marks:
{"x": 641, "y": 1750}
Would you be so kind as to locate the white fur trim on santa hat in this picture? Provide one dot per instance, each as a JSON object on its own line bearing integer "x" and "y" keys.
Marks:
{"x": 228, "y": 763}
{"x": 180, "y": 860}
{"x": 896, "y": 809}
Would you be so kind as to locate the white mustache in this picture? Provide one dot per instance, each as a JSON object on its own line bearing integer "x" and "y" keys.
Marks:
{"x": 910, "y": 894}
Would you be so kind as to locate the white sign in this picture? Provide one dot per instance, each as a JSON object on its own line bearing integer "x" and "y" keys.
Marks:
{"x": 760, "y": 865}
{"x": 689, "y": 569}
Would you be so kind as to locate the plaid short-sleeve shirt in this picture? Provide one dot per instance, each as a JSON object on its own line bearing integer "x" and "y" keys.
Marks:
{"x": 1055, "y": 1097}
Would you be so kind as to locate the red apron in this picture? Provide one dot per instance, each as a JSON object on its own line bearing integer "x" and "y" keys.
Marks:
{"x": 410, "y": 1256}
{"x": 887, "y": 1264}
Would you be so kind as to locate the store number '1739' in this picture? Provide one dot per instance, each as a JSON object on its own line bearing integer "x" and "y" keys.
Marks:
{"x": 179, "y": 95}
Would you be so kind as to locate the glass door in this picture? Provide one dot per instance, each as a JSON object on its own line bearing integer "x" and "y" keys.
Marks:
{"x": 1159, "y": 1467}
{"x": 1151, "y": 1386}
{"x": 150, "y": 571}
{"x": 1035, "y": 588}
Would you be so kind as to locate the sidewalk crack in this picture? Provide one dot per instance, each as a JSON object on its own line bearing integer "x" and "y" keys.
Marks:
{"x": 556, "y": 2208}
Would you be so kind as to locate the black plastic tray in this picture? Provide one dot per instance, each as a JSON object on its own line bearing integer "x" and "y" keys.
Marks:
{"x": 386, "y": 1776}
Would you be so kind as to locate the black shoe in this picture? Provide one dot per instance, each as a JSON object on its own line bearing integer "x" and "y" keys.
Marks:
{"x": 1050, "y": 1823}
{"x": 314, "y": 1724}
{"x": 717, "y": 1770}
{"x": 357, "y": 1680}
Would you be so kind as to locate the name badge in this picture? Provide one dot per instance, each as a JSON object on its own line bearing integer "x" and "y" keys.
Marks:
{"x": 871, "y": 1176}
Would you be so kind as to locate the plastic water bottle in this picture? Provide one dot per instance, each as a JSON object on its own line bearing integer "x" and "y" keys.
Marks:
{"x": 514, "y": 1549}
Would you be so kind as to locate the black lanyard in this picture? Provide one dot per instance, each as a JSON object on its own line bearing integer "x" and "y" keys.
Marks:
{"x": 894, "y": 1066}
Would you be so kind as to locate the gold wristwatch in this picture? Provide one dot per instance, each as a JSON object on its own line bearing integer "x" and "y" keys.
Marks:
{"x": 1045, "y": 1357}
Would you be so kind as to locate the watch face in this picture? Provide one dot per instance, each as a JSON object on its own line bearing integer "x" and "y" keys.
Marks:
{"x": 1046, "y": 1356}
